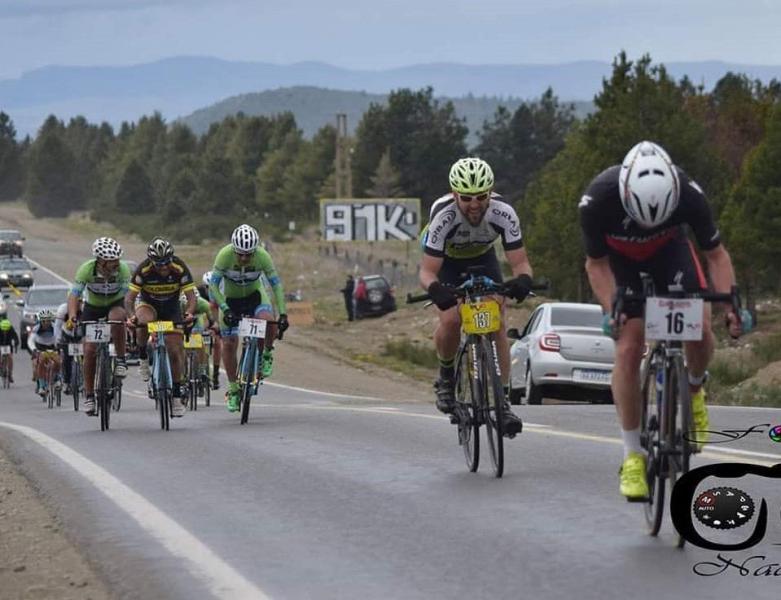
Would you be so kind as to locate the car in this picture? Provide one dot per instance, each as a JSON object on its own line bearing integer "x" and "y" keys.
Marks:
{"x": 561, "y": 353}
{"x": 377, "y": 300}
{"x": 11, "y": 242}
{"x": 17, "y": 272}
{"x": 35, "y": 300}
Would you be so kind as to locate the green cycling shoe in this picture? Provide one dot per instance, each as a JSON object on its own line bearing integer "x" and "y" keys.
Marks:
{"x": 267, "y": 364}
{"x": 634, "y": 485}
{"x": 232, "y": 397}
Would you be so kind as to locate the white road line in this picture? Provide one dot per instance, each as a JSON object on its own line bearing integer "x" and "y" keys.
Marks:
{"x": 203, "y": 564}
{"x": 49, "y": 271}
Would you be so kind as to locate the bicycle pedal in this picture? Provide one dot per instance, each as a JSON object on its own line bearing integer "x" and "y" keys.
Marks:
{"x": 454, "y": 420}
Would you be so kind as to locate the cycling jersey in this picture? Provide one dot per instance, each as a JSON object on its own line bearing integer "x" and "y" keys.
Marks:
{"x": 41, "y": 339}
{"x": 156, "y": 288}
{"x": 232, "y": 280}
{"x": 202, "y": 314}
{"x": 449, "y": 233}
{"x": 100, "y": 291}
{"x": 9, "y": 338}
{"x": 608, "y": 230}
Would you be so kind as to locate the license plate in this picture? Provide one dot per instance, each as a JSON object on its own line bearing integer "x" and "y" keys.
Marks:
{"x": 591, "y": 375}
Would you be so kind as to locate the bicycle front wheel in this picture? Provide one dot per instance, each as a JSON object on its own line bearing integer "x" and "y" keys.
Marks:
{"x": 76, "y": 383}
{"x": 467, "y": 403}
{"x": 652, "y": 427}
{"x": 103, "y": 381}
{"x": 493, "y": 403}
{"x": 247, "y": 376}
{"x": 679, "y": 385}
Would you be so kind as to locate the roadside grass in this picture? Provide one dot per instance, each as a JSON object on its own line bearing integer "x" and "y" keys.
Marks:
{"x": 412, "y": 351}
{"x": 752, "y": 394}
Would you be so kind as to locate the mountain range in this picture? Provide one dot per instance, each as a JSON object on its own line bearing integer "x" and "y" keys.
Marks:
{"x": 181, "y": 85}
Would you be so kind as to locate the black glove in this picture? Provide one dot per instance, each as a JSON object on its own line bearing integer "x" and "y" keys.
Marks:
{"x": 519, "y": 287}
{"x": 442, "y": 295}
{"x": 282, "y": 323}
{"x": 230, "y": 318}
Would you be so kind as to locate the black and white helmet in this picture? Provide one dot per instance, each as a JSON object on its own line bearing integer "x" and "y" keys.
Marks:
{"x": 207, "y": 278}
{"x": 648, "y": 184}
{"x": 106, "y": 248}
{"x": 245, "y": 239}
{"x": 159, "y": 250}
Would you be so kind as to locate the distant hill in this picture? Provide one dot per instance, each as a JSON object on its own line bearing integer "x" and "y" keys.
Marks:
{"x": 314, "y": 107}
{"x": 180, "y": 85}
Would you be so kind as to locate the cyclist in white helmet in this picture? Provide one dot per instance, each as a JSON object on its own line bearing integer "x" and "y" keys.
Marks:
{"x": 103, "y": 282}
{"x": 235, "y": 286}
{"x": 462, "y": 230}
{"x": 634, "y": 218}
{"x": 216, "y": 340}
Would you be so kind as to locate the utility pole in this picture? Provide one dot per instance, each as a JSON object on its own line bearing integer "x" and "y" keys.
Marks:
{"x": 344, "y": 174}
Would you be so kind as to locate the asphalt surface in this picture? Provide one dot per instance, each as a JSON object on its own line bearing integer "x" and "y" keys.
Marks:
{"x": 322, "y": 497}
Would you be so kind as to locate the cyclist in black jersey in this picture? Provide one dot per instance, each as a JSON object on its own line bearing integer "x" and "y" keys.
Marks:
{"x": 634, "y": 219}
{"x": 461, "y": 233}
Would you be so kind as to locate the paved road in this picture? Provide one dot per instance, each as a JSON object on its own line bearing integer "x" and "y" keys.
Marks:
{"x": 322, "y": 497}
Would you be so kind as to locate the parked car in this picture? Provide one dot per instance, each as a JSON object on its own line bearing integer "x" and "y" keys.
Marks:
{"x": 561, "y": 353}
{"x": 16, "y": 271}
{"x": 35, "y": 300}
{"x": 373, "y": 296}
{"x": 11, "y": 242}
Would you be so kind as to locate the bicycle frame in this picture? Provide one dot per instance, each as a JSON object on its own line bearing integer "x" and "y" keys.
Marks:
{"x": 162, "y": 378}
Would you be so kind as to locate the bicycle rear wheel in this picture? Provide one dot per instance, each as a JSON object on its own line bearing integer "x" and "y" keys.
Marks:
{"x": 493, "y": 403}
{"x": 467, "y": 402}
{"x": 192, "y": 378}
{"x": 651, "y": 436}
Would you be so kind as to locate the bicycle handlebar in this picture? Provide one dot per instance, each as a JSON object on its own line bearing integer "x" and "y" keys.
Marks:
{"x": 623, "y": 294}
{"x": 478, "y": 285}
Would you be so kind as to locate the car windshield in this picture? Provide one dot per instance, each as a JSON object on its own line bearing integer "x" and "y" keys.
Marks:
{"x": 575, "y": 317}
{"x": 15, "y": 264}
{"x": 10, "y": 235}
{"x": 376, "y": 284}
{"x": 47, "y": 297}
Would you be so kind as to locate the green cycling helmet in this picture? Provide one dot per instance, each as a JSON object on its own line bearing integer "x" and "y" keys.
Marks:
{"x": 5, "y": 325}
{"x": 471, "y": 176}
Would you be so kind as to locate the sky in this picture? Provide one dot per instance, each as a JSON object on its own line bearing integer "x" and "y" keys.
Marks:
{"x": 378, "y": 34}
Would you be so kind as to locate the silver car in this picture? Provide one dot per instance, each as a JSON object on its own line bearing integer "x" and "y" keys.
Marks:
{"x": 561, "y": 353}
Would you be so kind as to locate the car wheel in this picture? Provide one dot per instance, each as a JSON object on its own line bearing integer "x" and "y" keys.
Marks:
{"x": 533, "y": 392}
{"x": 515, "y": 395}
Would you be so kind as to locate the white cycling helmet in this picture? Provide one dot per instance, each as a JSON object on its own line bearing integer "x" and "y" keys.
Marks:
{"x": 46, "y": 315}
{"x": 245, "y": 239}
{"x": 207, "y": 278}
{"x": 106, "y": 248}
{"x": 471, "y": 176}
{"x": 648, "y": 184}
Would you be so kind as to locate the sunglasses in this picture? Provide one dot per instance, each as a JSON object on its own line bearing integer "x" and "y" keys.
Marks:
{"x": 162, "y": 263}
{"x": 479, "y": 197}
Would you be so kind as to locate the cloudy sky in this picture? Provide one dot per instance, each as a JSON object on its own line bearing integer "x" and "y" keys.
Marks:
{"x": 384, "y": 33}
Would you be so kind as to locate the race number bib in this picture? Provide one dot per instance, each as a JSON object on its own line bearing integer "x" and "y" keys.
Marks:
{"x": 75, "y": 349}
{"x": 160, "y": 326}
{"x": 97, "y": 333}
{"x": 481, "y": 317}
{"x": 254, "y": 328}
{"x": 5, "y": 350}
{"x": 194, "y": 342}
{"x": 674, "y": 319}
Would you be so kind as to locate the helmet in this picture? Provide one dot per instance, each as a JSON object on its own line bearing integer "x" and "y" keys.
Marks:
{"x": 183, "y": 297}
{"x": 648, "y": 185}
{"x": 245, "y": 239}
{"x": 207, "y": 278}
{"x": 106, "y": 248}
{"x": 46, "y": 315}
{"x": 471, "y": 176}
{"x": 5, "y": 325}
{"x": 160, "y": 250}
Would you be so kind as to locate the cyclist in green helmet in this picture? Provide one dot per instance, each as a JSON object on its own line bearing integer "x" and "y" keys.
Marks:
{"x": 8, "y": 339}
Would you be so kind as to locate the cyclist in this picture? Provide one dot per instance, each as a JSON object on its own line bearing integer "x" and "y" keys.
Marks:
{"x": 102, "y": 282}
{"x": 64, "y": 336}
{"x": 633, "y": 217}
{"x": 41, "y": 339}
{"x": 238, "y": 268}
{"x": 9, "y": 337}
{"x": 159, "y": 280}
{"x": 203, "y": 289}
{"x": 461, "y": 232}
{"x": 202, "y": 322}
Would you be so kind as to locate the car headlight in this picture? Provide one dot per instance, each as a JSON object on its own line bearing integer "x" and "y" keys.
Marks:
{"x": 28, "y": 275}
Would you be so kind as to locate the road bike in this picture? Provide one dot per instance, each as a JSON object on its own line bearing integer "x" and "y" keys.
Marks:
{"x": 480, "y": 397}
{"x": 162, "y": 383}
{"x": 253, "y": 334}
{"x": 107, "y": 385}
{"x": 666, "y": 413}
{"x": 53, "y": 395}
{"x": 76, "y": 351}
{"x": 5, "y": 366}
{"x": 195, "y": 372}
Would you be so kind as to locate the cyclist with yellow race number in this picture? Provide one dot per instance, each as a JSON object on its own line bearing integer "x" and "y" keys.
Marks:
{"x": 462, "y": 230}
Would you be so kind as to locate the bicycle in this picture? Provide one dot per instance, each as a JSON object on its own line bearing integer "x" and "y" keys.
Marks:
{"x": 161, "y": 383}
{"x": 193, "y": 347}
{"x": 5, "y": 366}
{"x": 666, "y": 413}
{"x": 208, "y": 343}
{"x": 106, "y": 384}
{"x": 253, "y": 333}
{"x": 479, "y": 390}
{"x": 76, "y": 351}
{"x": 53, "y": 395}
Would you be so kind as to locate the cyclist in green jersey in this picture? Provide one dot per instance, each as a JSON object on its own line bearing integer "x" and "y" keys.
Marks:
{"x": 103, "y": 282}
{"x": 202, "y": 323}
{"x": 238, "y": 268}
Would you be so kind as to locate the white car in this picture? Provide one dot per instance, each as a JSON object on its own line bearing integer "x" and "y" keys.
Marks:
{"x": 561, "y": 353}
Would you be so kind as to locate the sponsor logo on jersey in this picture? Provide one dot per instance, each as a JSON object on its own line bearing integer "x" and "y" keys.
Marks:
{"x": 584, "y": 200}
{"x": 515, "y": 228}
{"x": 445, "y": 219}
